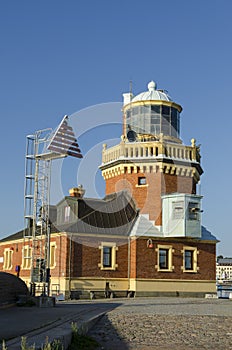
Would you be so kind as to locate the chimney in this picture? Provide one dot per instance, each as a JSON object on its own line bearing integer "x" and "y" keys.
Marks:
{"x": 77, "y": 192}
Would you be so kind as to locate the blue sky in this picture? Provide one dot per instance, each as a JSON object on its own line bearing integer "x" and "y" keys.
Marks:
{"x": 60, "y": 57}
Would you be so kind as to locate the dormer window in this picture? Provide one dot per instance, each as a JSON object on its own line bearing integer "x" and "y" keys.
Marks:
{"x": 178, "y": 210}
{"x": 142, "y": 181}
{"x": 66, "y": 213}
{"x": 193, "y": 211}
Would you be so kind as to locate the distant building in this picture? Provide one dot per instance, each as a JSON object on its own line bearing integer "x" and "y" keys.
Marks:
{"x": 145, "y": 237}
{"x": 224, "y": 269}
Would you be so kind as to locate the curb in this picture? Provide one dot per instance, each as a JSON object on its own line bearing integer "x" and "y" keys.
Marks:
{"x": 62, "y": 333}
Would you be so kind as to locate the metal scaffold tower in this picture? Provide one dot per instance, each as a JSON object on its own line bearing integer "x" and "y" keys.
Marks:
{"x": 41, "y": 148}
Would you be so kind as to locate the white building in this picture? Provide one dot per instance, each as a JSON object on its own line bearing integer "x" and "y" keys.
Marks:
{"x": 224, "y": 269}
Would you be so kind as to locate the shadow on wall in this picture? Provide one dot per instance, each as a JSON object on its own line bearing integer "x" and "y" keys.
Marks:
{"x": 10, "y": 288}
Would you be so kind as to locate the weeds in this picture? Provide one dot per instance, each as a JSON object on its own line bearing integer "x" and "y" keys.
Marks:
{"x": 80, "y": 341}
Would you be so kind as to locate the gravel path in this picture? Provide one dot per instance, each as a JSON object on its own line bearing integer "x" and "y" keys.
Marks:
{"x": 167, "y": 323}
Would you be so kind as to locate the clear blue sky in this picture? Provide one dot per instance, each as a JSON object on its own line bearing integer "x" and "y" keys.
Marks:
{"x": 58, "y": 57}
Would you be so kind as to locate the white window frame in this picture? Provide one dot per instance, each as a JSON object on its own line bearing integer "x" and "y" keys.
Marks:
{"x": 114, "y": 248}
{"x": 53, "y": 245}
{"x": 67, "y": 211}
{"x": 26, "y": 262}
{"x": 170, "y": 252}
{"x": 195, "y": 254}
{"x": 8, "y": 255}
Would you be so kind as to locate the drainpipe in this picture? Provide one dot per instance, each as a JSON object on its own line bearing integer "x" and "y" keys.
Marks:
{"x": 70, "y": 256}
{"x": 129, "y": 262}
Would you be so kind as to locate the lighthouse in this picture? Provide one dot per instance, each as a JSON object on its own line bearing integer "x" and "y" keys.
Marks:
{"x": 151, "y": 162}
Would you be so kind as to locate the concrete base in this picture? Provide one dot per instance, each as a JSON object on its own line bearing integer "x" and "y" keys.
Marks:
{"x": 44, "y": 301}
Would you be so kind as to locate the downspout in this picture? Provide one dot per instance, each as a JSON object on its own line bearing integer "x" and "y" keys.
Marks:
{"x": 59, "y": 271}
{"x": 70, "y": 252}
{"x": 129, "y": 263}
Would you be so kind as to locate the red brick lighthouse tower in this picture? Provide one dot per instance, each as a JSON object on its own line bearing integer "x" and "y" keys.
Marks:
{"x": 151, "y": 161}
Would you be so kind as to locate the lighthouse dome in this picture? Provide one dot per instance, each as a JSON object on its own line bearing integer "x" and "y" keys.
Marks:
{"x": 152, "y": 94}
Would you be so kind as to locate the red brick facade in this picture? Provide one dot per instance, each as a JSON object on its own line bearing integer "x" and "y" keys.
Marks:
{"x": 83, "y": 258}
{"x": 148, "y": 197}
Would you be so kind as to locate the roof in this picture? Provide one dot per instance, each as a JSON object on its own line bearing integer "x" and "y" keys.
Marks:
{"x": 152, "y": 94}
{"x": 14, "y": 237}
{"x": 145, "y": 227}
{"x": 113, "y": 215}
{"x": 206, "y": 235}
{"x": 224, "y": 261}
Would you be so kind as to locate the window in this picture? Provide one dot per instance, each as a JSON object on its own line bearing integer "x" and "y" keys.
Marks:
{"x": 178, "y": 210}
{"x": 155, "y": 109}
{"x": 164, "y": 254}
{"x": 26, "y": 257}
{"x": 8, "y": 259}
{"x": 165, "y": 110}
{"x": 66, "y": 214}
{"x": 142, "y": 181}
{"x": 190, "y": 259}
{"x": 193, "y": 211}
{"x": 52, "y": 255}
{"x": 108, "y": 256}
{"x": 163, "y": 259}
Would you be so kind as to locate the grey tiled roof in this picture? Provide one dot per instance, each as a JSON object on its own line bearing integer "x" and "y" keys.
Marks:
{"x": 224, "y": 261}
{"x": 113, "y": 215}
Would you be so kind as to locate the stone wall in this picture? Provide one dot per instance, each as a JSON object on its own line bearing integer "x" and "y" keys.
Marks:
{"x": 10, "y": 288}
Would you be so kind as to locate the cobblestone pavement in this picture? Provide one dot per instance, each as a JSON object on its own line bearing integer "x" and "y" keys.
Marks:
{"x": 167, "y": 323}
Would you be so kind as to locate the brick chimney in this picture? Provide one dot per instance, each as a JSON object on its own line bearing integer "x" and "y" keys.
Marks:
{"x": 77, "y": 192}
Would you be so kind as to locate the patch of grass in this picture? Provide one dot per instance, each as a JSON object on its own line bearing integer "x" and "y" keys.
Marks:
{"x": 81, "y": 341}
{"x": 54, "y": 345}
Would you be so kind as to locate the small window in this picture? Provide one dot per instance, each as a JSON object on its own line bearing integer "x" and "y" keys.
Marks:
{"x": 163, "y": 259}
{"x": 52, "y": 255}
{"x": 108, "y": 256}
{"x": 66, "y": 214}
{"x": 27, "y": 256}
{"x": 193, "y": 211}
{"x": 142, "y": 181}
{"x": 164, "y": 256}
{"x": 177, "y": 210}
{"x": 135, "y": 110}
{"x": 165, "y": 110}
{"x": 155, "y": 109}
{"x": 8, "y": 259}
{"x": 190, "y": 259}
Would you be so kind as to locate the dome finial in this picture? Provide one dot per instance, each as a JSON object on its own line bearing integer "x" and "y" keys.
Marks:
{"x": 151, "y": 86}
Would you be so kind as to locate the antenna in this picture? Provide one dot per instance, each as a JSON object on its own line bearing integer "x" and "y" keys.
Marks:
{"x": 130, "y": 87}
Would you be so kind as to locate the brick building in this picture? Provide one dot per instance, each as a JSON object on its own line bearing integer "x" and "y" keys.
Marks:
{"x": 145, "y": 237}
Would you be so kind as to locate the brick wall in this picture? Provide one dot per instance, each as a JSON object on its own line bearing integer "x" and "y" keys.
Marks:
{"x": 86, "y": 256}
{"x": 17, "y": 248}
{"x": 148, "y": 198}
{"x": 146, "y": 260}
{"x": 60, "y": 268}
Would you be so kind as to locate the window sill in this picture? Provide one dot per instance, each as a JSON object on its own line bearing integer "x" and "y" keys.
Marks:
{"x": 141, "y": 185}
{"x": 112, "y": 268}
{"x": 190, "y": 271}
